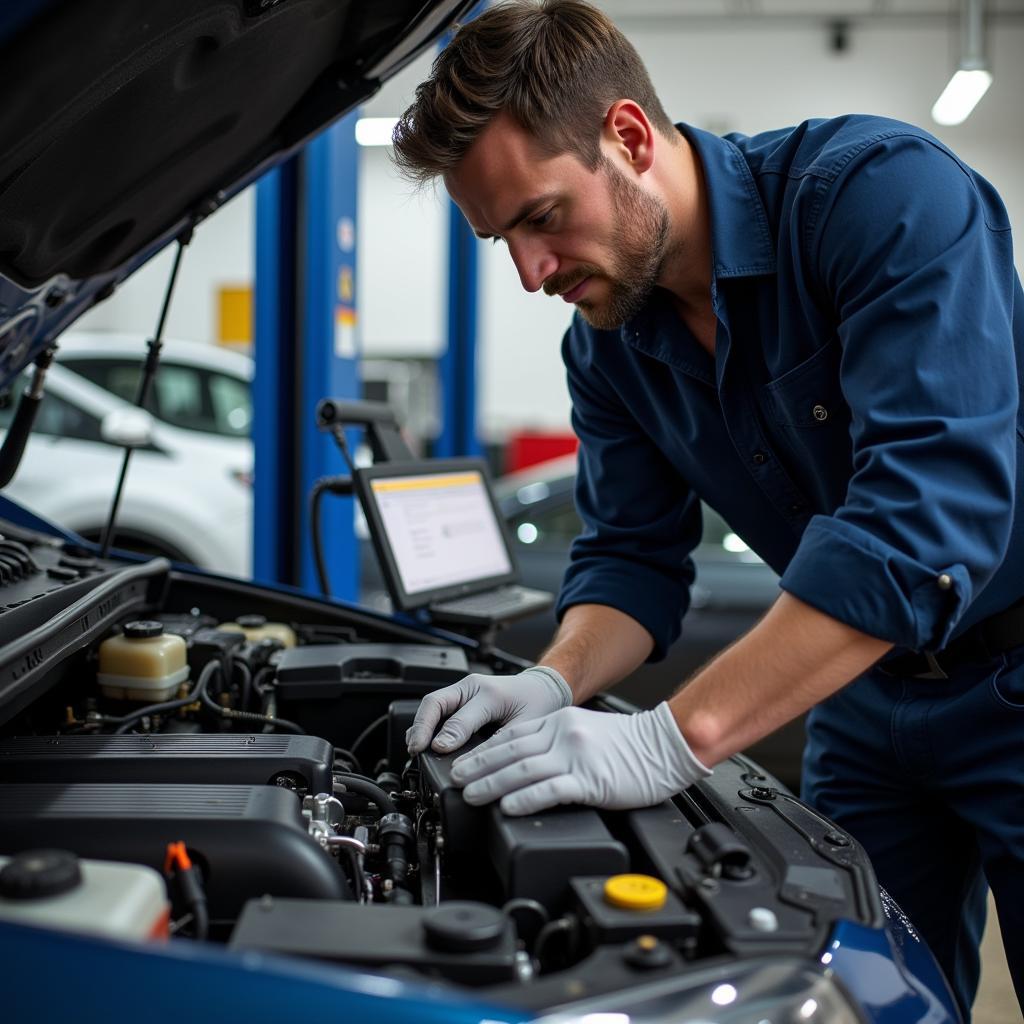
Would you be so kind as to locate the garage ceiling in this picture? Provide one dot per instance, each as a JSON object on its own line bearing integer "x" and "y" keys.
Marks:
{"x": 818, "y": 10}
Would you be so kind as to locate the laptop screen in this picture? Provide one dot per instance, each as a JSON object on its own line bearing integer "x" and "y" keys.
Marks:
{"x": 436, "y": 529}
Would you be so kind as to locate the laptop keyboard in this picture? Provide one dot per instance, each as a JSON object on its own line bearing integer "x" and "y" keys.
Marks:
{"x": 495, "y": 603}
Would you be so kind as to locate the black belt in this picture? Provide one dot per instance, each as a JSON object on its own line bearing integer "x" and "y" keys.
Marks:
{"x": 1000, "y": 632}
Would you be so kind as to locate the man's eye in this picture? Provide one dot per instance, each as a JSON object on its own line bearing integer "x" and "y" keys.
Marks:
{"x": 541, "y": 219}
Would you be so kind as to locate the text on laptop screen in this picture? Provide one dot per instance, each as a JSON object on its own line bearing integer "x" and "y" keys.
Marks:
{"x": 441, "y": 529}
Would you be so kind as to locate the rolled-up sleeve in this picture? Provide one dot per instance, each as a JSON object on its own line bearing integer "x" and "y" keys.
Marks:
{"x": 915, "y": 255}
{"x": 640, "y": 518}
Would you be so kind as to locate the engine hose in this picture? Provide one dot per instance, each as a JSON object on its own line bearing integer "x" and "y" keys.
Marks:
{"x": 200, "y": 920}
{"x": 248, "y": 716}
{"x": 399, "y": 894}
{"x": 367, "y": 787}
{"x": 271, "y": 720}
{"x": 125, "y": 722}
{"x": 245, "y": 689}
{"x": 538, "y": 910}
{"x": 397, "y": 837}
{"x": 398, "y": 866}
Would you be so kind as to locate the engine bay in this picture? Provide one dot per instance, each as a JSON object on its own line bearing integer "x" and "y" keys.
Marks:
{"x": 247, "y": 744}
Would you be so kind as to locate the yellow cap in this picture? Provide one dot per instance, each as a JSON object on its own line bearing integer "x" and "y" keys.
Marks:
{"x": 635, "y": 892}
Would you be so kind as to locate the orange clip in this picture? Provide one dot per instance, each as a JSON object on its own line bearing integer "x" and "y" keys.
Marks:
{"x": 177, "y": 857}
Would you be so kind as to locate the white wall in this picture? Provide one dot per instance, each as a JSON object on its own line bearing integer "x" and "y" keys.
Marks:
{"x": 745, "y": 76}
{"x": 760, "y": 78}
{"x": 402, "y": 269}
{"x": 221, "y": 253}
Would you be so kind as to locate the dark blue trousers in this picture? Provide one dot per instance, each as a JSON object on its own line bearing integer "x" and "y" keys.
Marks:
{"x": 928, "y": 774}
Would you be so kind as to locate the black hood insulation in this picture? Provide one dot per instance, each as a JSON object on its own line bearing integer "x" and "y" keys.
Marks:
{"x": 121, "y": 118}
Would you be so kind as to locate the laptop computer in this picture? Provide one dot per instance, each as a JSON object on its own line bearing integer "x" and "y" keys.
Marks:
{"x": 441, "y": 542}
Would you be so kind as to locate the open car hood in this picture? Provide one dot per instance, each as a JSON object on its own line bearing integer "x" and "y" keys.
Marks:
{"x": 124, "y": 122}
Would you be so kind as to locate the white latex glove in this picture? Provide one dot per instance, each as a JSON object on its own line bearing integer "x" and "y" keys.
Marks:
{"x": 474, "y": 701}
{"x": 575, "y": 756}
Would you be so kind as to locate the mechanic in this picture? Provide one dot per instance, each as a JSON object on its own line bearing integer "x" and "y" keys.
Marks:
{"x": 820, "y": 332}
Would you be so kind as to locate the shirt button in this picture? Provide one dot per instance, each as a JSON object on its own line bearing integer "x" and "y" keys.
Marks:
{"x": 760, "y": 458}
{"x": 796, "y": 509}
{"x": 944, "y": 581}
{"x": 820, "y": 413}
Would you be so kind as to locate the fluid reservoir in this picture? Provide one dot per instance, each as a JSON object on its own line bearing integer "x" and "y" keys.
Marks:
{"x": 54, "y": 889}
{"x": 144, "y": 663}
{"x": 256, "y": 628}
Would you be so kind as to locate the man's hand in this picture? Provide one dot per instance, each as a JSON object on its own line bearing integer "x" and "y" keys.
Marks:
{"x": 478, "y": 699}
{"x": 581, "y": 757}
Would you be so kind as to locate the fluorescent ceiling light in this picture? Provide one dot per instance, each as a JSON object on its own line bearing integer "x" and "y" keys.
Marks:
{"x": 375, "y": 131}
{"x": 972, "y": 78}
{"x": 961, "y": 96}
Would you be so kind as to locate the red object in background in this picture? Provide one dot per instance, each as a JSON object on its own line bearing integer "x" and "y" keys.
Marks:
{"x": 530, "y": 447}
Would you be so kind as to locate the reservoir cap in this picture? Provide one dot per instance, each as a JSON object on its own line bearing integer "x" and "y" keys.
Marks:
{"x": 635, "y": 892}
{"x": 142, "y": 629}
{"x": 38, "y": 873}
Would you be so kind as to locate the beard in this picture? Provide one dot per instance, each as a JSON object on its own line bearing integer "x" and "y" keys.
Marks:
{"x": 639, "y": 248}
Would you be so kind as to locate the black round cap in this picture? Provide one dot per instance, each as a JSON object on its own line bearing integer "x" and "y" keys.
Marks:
{"x": 143, "y": 628}
{"x": 464, "y": 927}
{"x": 38, "y": 873}
{"x": 253, "y": 621}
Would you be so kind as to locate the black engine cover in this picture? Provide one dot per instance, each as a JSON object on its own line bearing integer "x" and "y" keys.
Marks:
{"x": 246, "y": 839}
{"x": 302, "y": 762}
{"x": 534, "y": 856}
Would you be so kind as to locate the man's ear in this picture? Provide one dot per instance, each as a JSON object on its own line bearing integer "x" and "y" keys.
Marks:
{"x": 629, "y": 135}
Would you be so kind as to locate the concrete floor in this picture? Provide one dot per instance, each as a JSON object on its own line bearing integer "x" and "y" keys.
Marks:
{"x": 996, "y": 1002}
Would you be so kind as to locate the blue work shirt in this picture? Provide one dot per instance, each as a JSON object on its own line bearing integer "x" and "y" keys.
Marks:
{"x": 860, "y": 423}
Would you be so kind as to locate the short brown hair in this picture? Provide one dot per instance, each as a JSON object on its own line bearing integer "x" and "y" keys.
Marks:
{"x": 554, "y": 67}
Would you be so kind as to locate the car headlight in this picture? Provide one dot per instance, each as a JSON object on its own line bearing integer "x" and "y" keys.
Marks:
{"x": 770, "y": 992}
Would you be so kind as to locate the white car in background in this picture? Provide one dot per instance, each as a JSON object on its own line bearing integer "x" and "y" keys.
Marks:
{"x": 188, "y": 494}
{"x": 198, "y": 386}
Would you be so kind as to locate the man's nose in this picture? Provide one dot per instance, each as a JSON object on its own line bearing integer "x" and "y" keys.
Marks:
{"x": 534, "y": 262}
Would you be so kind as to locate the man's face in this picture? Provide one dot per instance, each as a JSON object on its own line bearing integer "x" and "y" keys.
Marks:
{"x": 595, "y": 238}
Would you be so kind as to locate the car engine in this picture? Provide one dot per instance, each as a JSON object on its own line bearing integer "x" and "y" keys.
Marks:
{"x": 247, "y": 744}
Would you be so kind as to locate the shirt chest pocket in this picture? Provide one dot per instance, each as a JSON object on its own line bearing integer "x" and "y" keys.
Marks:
{"x": 809, "y": 397}
{"x": 809, "y": 420}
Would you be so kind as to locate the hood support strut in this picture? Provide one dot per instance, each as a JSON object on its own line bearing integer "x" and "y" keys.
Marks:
{"x": 24, "y": 419}
{"x": 153, "y": 347}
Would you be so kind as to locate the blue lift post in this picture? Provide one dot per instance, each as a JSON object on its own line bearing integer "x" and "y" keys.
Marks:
{"x": 457, "y": 365}
{"x": 306, "y": 349}
{"x": 273, "y": 389}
